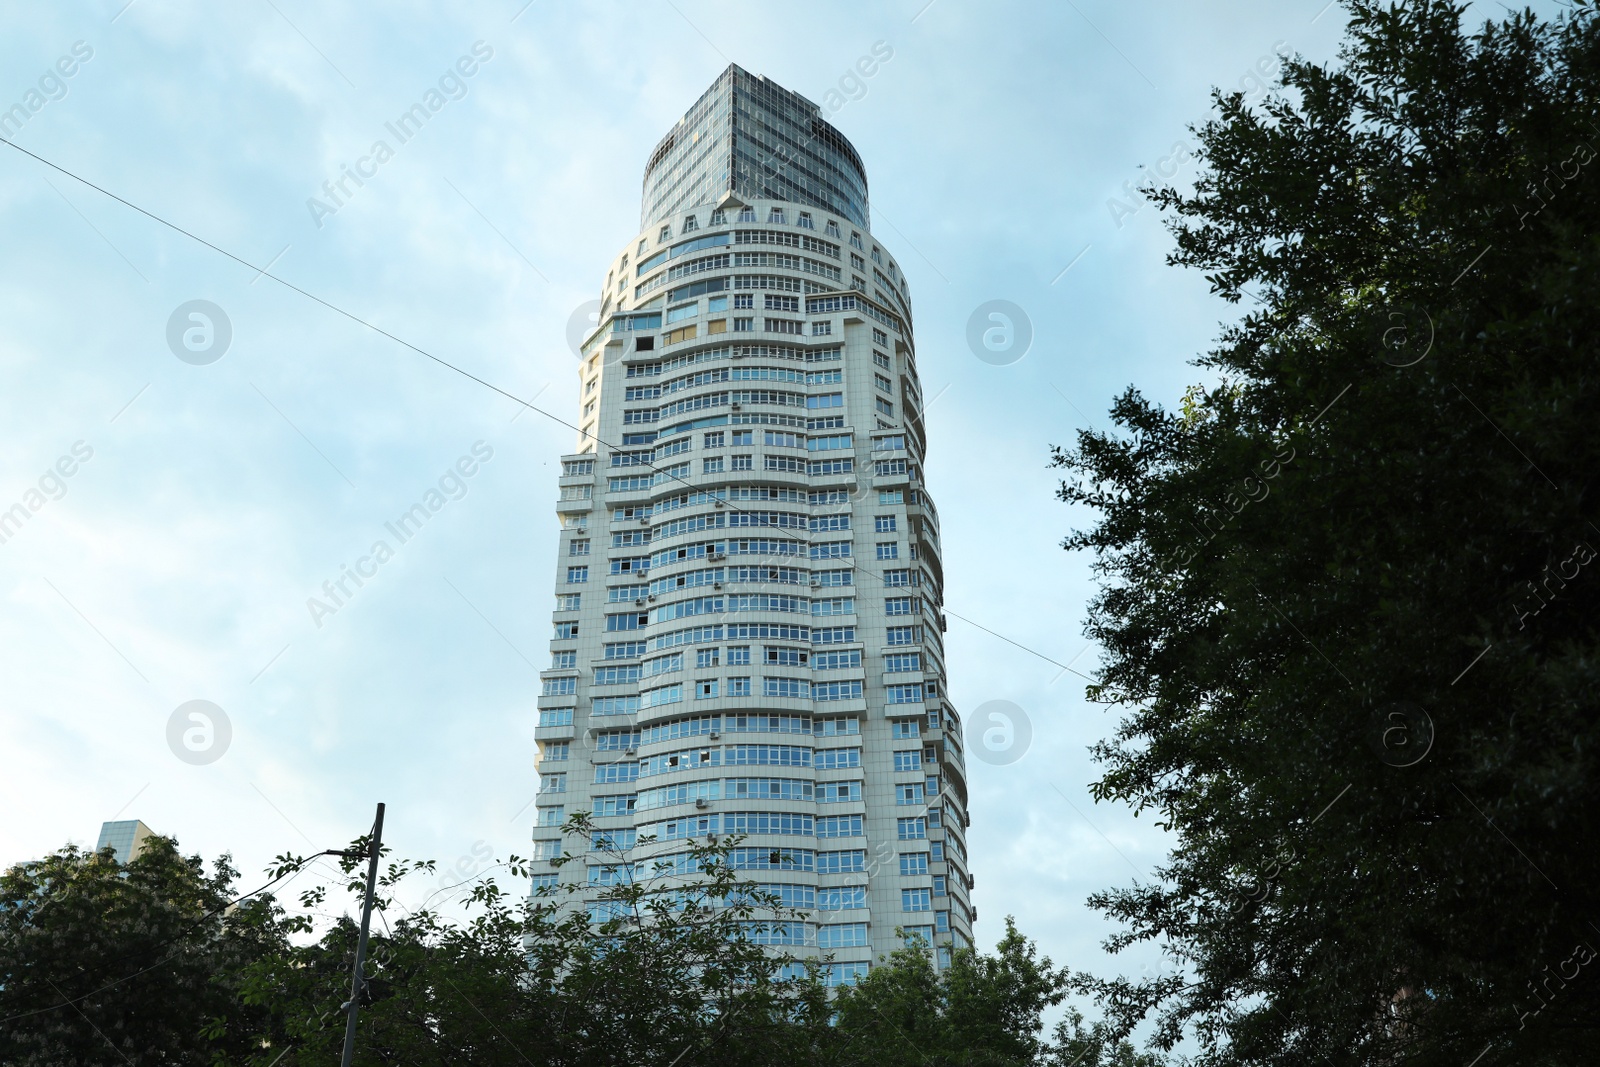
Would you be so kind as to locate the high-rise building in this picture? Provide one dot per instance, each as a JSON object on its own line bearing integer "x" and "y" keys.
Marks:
{"x": 748, "y": 628}
{"x": 126, "y": 837}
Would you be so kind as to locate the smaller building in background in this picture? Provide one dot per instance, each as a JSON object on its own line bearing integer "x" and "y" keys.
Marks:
{"x": 127, "y": 837}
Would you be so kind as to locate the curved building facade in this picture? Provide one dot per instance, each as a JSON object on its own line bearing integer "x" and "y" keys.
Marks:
{"x": 748, "y": 635}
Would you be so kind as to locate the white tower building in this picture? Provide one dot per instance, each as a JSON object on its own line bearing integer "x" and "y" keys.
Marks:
{"x": 748, "y": 634}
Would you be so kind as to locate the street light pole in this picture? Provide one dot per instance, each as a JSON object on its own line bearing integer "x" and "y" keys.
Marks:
{"x": 357, "y": 978}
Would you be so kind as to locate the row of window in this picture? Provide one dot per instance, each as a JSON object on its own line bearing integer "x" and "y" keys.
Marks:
{"x": 796, "y": 789}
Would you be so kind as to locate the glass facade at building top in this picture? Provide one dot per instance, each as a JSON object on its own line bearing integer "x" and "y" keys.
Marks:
{"x": 757, "y": 140}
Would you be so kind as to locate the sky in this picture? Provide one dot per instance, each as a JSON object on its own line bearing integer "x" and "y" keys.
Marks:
{"x": 210, "y": 496}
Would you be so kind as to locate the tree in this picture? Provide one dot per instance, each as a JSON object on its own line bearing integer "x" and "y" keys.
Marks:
{"x": 654, "y": 973}
{"x": 1348, "y": 593}
{"x": 981, "y": 1011}
{"x": 110, "y": 963}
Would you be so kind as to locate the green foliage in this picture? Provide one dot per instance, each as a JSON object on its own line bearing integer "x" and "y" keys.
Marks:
{"x": 104, "y": 963}
{"x": 670, "y": 978}
{"x": 981, "y": 1011}
{"x": 1390, "y": 503}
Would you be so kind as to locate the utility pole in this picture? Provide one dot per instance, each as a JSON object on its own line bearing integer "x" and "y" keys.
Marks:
{"x": 358, "y": 979}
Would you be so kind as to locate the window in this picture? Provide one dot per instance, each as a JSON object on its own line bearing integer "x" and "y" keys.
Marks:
{"x": 705, "y": 690}
{"x": 743, "y": 463}
{"x": 857, "y": 262}
{"x": 577, "y": 575}
{"x": 742, "y": 325}
{"x": 579, "y": 546}
{"x": 568, "y": 601}
{"x": 832, "y": 229}
{"x": 782, "y": 303}
{"x": 548, "y": 849}
{"x": 855, "y": 240}
{"x": 881, "y": 360}
{"x": 556, "y": 687}
{"x": 897, "y": 578}
{"x": 877, "y": 256}
{"x": 836, "y": 727}
{"x": 922, "y": 934}
{"x": 903, "y": 635}
{"x": 556, "y": 751}
{"x": 913, "y": 863}
{"x": 902, "y": 605}
{"x": 719, "y": 218}
{"x": 908, "y": 794}
{"x": 884, "y": 407}
{"x": 839, "y": 825}
{"x": 552, "y": 817}
{"x": 744, "y": 300}
{"x": 786, "y": 657}
{"x": 879, "y": 337}
{"x": 553, "y": 783}
{"x": 747, "y": 214}
{"x": 883, "y": 383}
{"x": 690, "y": 224}
{"x": 834, "y": 606}
{"x": 891, "y": 496}
{"x": 711, "y": 466}
{"x": 888, "y": 550}
{"x": 712, "y": 440}
{"x": 941, "y": 922}
{"x": 883, "y": 524}
{"x": 794, "y": 688}
{"x": 906, "y": 730}
{"x": 933, "y": 814}
{"x": 738, "y": 687}
{"x": 744, "y": 437}
{"x": 776, "y": 215}
{"x": 739, "y": 656}
{"x": 933, "y": 719}
{"x": 903, "y": 661}
{"x": 706, "y": 657}
{"x": 563, "y": 660}
{"x": 565, "y": 631}
{"x": 665, "y": 234}
{"x": 842, "y": 935}
{"x": 908, "y": 761}
{"x": 820, "y": 328}
{"x": 938, "y": 885}
{"x": 836, "y": 661}
{"x": 838, "y": 974}
{"x": 804, "y": 222}
{"x": 842, "y": 898}
{"x": 916, "y": 900}
{"x": 936, "y": 851}
{"x": 914, "y": 829}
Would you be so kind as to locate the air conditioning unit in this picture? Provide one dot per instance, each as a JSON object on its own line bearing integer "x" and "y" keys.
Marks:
{"x": 736, "y": 406}
{"x": 644, "y": 520}
{"x": 639, "y": 602}
{"x": 716, "y": 585}
{"x": 630, "y": 752}
{"x": 719, "y": 504}
{"x": 652, "y": 596}
{"x": 713, "y": 735}
{"x": 816, "y": 583}
{"x": 972, "y": 880}
{"x": 738, "y": 353}
{"x": 702, "y": 802}
{"x": 713, "y": 554}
